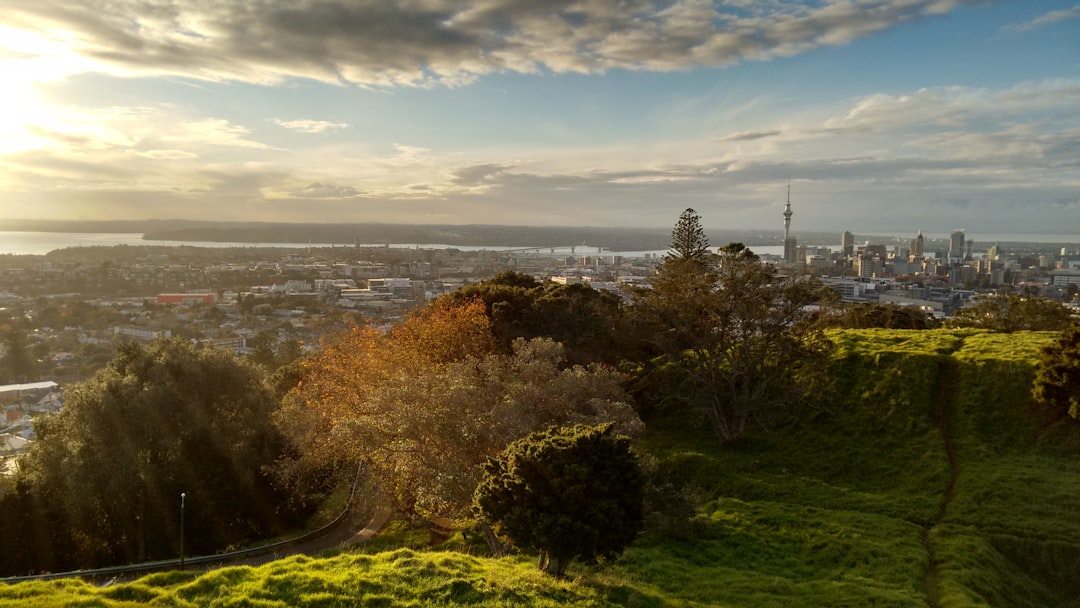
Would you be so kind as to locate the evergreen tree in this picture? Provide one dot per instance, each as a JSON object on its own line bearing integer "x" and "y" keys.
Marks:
{"x": 109, "y": 468}
{"x": 565, "y": 492}
{"x": 688, "y": 240}
{"x": 1057, "y": 383}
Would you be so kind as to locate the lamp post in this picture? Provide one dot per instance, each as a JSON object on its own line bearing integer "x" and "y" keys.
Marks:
{"x": 182, "y": 496}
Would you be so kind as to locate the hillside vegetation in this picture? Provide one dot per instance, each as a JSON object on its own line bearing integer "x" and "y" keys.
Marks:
{"x": 926, "y": 477}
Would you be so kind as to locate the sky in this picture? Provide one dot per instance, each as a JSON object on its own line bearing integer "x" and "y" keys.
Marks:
{"x": 881, "y": 115}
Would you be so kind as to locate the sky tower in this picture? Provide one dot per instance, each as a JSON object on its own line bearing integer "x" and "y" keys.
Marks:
{"x": 791, "y": 247}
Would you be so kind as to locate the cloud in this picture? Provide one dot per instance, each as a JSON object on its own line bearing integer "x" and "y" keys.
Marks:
{"x": 312, "y": 126}
{"x": 328, "y": 191}
{"x": 212, "y": 132}
{"x": 749, "y": 135}
{"x": 168, "y": 154}
{"x": 478, "y": 174}
{"x": 1045, "y": 19}
{"x": 384, "y": 43}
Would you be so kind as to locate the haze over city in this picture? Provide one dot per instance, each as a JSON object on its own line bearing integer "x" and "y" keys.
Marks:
{"x": 884, "y": 115}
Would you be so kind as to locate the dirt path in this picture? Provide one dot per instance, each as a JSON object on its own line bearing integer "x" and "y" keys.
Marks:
{"x": 943, "y": 407}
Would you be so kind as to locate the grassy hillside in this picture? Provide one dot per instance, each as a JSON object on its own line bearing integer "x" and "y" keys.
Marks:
{"x": 927, "y": 478}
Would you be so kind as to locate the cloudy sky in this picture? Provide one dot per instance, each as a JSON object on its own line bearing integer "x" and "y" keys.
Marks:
{"x": 885, "y": 115}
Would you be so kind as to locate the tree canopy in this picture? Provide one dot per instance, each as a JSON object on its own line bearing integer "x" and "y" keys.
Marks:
{"x": 688, "y": 240}
{"x": 1057, "y": 381}
{"x": 736, "y": 341}
{"x": 107, "y": 471}
{"x": 571, "y": 492}
{"x": 584, "y": 320}
{"x": 1013, "y": 312}
{"x": 424, "y": 405}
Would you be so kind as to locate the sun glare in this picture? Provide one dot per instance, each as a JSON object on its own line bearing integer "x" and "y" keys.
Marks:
{"x": 27, "y": 60}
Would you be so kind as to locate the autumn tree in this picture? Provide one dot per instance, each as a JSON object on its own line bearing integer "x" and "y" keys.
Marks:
{"x": 735, "y": 339}
{"x": 1057, "y": 382}
{"x": 424, "y": 405}
{"x": 566, "y": 493}
{"x": 109, "y": 468}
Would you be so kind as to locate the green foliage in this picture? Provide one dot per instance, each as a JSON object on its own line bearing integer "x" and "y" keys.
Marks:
{"x": 397, "y": 579}
{"x": 738, "y": 337}
{"x": 584, "y": 320}
{"x": 566, "y": 492}
{"x": 842, "y": 506}
{"x": 103, "y": 479}
{"x": 1057, "y": 384}
{"x": 688, "y": 240}
{"x": 866, "y": 315}
{"x": 1013, "y": 312}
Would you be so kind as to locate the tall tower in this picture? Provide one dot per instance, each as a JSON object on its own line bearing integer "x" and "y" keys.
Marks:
{"x": 847, "y": 242}
{"x": 918, "y": 245}
{"x": 957, "y": 242}
{"x": 787, "y": 215}
{"x": 791, "y": 248}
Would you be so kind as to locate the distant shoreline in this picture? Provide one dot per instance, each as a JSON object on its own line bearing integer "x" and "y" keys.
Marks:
{"x": 610, "y": 238}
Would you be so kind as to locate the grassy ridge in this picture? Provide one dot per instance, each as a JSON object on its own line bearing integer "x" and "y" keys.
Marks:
{"x": 847, "y": 506}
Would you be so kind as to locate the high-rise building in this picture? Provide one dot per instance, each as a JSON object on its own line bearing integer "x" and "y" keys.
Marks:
{"x": 918, "y": 246}
{"x": 847, "y": 242}
{"x": 791, "y": 247}
{"x": 956, "y": 245}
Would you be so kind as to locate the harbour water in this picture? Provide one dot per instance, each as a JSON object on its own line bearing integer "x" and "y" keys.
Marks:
{"x": 40, "y": 243}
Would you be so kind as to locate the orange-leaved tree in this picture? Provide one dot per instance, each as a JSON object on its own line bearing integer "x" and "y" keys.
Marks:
{"x": 424, "y": 404}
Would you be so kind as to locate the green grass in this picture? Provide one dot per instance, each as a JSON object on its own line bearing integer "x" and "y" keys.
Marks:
{"x": 841, "y": 507}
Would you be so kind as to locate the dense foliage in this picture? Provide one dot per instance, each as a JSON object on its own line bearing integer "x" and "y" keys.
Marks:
{"x": 567, "y": 493}
{"x": 102, "y": 483}
{"x": 688, "y": 240}
{"x": 1057, "y": 384}
{"x": 584, "y": 320}
{"x": 867, "y": 315}
{"x": 847, "y": 507}
{"x": 738, "y": 348}
{"x": 1013, "y": 312}
{"x": 423, "y": 406}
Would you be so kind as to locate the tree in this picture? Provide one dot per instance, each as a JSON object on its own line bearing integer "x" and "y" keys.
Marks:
{"x": 583, "y": 319}
{"x": 567, "y": 493}
{"x": 155, "y": 422}
{"x": 866, "y": 315}
{"x": 1057, "y": 381}
{"x": 423, "y": 406}
{"x": 1014, "y": 312}
{"x": 736, "y": 343}
{"x": 688, "y": 240}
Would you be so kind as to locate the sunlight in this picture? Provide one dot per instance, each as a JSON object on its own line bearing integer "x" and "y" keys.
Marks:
{"x": 27, "y": 60}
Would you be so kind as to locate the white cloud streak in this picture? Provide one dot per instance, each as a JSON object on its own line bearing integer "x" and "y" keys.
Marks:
{"x": 1046, "y": 19}
{"x": 311, "y": 126}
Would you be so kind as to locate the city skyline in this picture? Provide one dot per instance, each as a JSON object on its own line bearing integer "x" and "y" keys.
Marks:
{"x": 883, "y": 115}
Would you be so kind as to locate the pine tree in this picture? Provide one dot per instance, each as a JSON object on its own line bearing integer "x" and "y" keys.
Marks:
{"x": 688, "y": 240}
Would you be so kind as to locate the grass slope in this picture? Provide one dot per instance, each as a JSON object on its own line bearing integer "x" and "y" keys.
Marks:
{"x": 926, "y": 479}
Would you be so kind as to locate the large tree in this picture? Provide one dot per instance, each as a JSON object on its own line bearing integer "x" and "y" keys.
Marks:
{"x": 582, "y": 319}
{"x": 570, "y": 492}
{"x": 1013, "y": 312}
{"x": 157, "y": 421}
{"x": 736, "y": 343}
{"x": 423, "y": 406}
{"x": 1057, "y": 382}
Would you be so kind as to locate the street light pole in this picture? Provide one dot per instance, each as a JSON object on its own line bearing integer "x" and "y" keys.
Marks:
{"x": 182, "y": 496}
